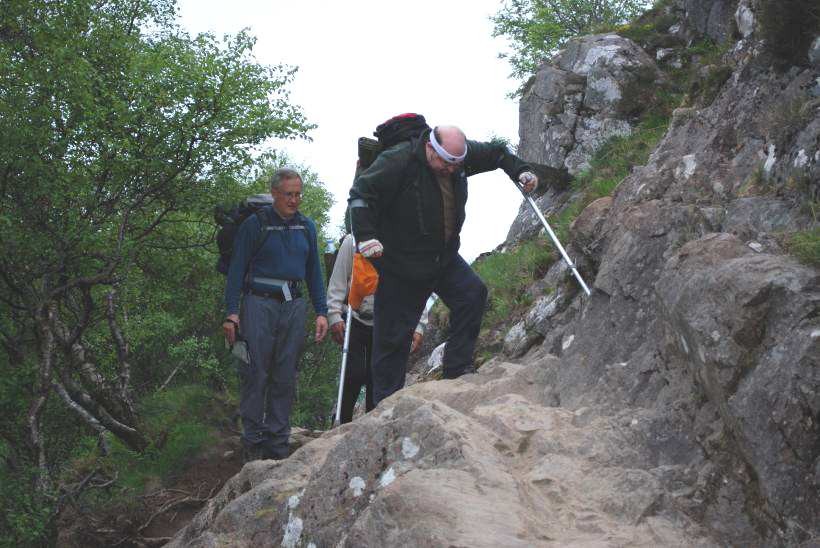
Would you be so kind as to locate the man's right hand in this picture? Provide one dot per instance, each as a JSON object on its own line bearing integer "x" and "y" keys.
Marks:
{"x": 337, "y": 331}
{"x": 371, "y": 248}
{"x": 229, "y": 327}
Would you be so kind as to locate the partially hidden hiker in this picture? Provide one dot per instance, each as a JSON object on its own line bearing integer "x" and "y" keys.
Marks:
{"x": 266, "y": 308}
{"x": 360, "y": 351}
{"x": 407, "y": 211}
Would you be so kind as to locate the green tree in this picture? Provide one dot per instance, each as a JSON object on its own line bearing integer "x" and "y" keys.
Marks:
{"x": 117, "y": 130}
{"x": 537, "y": 28}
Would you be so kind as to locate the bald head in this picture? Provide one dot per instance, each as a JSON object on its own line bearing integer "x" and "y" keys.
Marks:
{"x": 452, "y": 139}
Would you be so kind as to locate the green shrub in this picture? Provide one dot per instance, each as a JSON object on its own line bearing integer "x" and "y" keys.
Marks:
{"x": 609, "y": 165}
{"x": 179, "y": 421}
{"x": 788, "y": 28}
{"x": 651, "y": 29}
{"x": 26, "y": 517}
{"x": 317, "y": 383}
{"x": 507, "y": 276}
{"x": 805, "y": 245}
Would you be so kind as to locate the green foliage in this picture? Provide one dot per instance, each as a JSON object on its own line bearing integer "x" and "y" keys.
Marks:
{"x": 805, "y": 245}
{"x": 118, "y": 133}
{"x": 318, "y": 382}
{"x": 508, "y": 274}
{"x": 704, "y": 74}
{"x": 180, "y": 420}
{"x": 537, "y": 28}
{"x": 650, "y": 30}
{"x": 609, "y": 165}
{"x": 788, "y": 28}
{"x": 25, "y": 514}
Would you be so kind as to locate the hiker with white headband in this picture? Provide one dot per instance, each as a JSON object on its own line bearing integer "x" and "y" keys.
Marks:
{"x": 407, "y": 210}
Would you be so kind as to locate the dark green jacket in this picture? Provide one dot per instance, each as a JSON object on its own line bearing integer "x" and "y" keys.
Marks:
{"x": 404, "y": 210}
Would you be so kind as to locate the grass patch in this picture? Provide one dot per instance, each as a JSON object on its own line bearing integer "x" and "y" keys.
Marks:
{"x": 507, "y": 276}
{"x": 608, "y": 167}
{"x": 805, "y": 245}
{"x": 705, "y": 74}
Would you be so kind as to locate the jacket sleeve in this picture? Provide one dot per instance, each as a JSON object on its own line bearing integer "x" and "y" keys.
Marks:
{"x": 340, "y": 281}
{"x": 240, "y": 256}
{"x": 373, "y": 188}
{"x": 313, "y": 274}
{"x": 483, "y": 157}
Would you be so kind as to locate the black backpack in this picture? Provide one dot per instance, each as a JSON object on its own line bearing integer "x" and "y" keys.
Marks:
{"x": 228, "y": 219}
{"x": 403, "y": 127}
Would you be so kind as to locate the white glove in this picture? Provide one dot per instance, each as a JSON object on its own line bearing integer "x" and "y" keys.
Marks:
{"x": 371, "y": 248}
{"x": 528, "y": 180}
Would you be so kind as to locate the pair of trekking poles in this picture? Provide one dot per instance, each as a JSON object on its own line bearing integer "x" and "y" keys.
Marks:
{"x": 348, "y": 319}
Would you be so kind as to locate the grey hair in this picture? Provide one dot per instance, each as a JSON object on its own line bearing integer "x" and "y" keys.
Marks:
{"x": 283, "y": 173}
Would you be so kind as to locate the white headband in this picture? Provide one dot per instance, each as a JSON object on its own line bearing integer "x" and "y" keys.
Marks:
{"x": 446, "y": 156}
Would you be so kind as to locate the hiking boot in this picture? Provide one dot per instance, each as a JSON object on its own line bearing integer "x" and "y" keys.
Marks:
{"x": 275, "y": 453}
{"x": 454, "y": 374}
{"x": 253, "y": 452}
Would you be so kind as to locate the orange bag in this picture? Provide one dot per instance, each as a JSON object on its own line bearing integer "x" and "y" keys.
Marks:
{"x": 365, "y": 281}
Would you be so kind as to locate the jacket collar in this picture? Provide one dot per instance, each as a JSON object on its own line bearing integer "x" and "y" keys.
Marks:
{"x": 274, "y": 217}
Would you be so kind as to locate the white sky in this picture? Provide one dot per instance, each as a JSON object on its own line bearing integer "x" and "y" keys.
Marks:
{"x": 363, "y": 61}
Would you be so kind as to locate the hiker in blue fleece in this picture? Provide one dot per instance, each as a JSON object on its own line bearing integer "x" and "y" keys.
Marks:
{"x": 268, "y": 265}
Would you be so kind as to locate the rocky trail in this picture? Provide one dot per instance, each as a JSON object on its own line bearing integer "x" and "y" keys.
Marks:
{"x": 481, "y": 461}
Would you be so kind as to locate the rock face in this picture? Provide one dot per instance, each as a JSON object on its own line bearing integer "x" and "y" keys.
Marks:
{"x": 700, "y": 317}
{"x": 679, "y": 405}
{"x": 581, "y": 99}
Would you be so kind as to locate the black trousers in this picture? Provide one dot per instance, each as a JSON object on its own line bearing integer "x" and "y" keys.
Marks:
{"x": 357, "y": 370}
{"x": 398, "y": 307}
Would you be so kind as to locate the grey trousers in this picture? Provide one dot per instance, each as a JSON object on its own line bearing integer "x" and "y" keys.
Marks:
{"x": 275, "y": 333}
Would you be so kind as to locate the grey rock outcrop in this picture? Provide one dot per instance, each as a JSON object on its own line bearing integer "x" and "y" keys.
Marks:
{"x": 712, "y": 18}
{"x": 699, "y": 316}
{"x": 581, "y": 98}
{"x": 745, "y": 18}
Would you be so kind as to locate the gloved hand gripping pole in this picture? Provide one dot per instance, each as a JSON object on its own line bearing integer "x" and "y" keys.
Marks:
{"x": 552, "y": 235}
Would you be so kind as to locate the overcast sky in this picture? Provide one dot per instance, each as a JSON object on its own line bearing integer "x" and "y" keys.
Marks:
{"x": 363, "y": 61}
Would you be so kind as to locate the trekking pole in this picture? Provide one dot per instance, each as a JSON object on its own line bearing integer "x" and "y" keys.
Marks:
{"x": 346, "y": 346}
{"x": 544, "y": 222}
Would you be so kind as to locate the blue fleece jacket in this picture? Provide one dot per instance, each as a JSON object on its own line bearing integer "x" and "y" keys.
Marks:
{"x": 286, "y": 255}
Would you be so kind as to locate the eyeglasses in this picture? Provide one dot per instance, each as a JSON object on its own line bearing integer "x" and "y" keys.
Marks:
{"x": 447, "y": 166}
{"x": 290, "y": 195}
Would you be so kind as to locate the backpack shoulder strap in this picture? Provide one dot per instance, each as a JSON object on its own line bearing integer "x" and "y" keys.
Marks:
{"x": 307, "y": 231}
{"x": 261, "y": 236}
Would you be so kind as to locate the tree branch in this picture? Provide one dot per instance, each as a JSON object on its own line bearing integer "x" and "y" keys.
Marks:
{"x": 122, "y": 352}
{"x": 87, "y": 417}
{"x": 46, "y": 314}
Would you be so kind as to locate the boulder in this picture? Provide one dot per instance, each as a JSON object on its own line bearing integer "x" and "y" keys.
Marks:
{"x": 581, "y": 98}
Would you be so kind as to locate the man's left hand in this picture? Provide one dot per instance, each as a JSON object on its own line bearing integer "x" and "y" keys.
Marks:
{"x": 321, "y": 328}
{"x": 417, "y": 338}
{"x": 528, "y": 181}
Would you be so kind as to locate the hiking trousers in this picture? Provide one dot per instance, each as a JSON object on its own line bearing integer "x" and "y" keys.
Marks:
{"x": 275, "y": 333}
{"x": 358, "y": 372}
{"x": 397, "y": 308}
